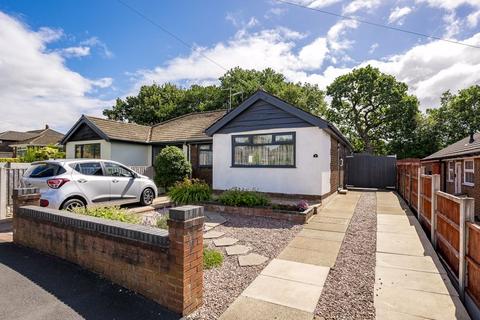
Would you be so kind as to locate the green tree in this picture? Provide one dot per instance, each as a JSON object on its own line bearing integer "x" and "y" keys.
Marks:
{"x": 373, "y": 109}
{"x": 42, "y": 153}
{"x": 171, "y": 166}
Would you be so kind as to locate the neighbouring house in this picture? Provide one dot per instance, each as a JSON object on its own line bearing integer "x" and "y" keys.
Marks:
{"x": 15, "y": 143}
{"x": 264, "y": 144}
{"x": 272, "y": 146}
{"x": 138, "y": 145}
{"x": 459, "y": 167}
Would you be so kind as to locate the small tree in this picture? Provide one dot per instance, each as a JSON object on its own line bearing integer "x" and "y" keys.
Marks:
{"x": 42, "y": 153}
{"x": 171, "y": 166}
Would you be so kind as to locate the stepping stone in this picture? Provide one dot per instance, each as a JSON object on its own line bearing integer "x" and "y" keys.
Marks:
{"x": 207, "y": 228}
{"x": 224, "y": 242}
{"x": 252, "y": 259}
{"x": 211, "y": 225}
{"x": 213, "y": 235}
{"x": 212, "y": 217}
{"x": 237, "y": 249}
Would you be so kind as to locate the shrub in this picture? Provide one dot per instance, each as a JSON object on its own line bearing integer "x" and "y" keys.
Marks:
{"x": 243, "y": 198}
{"x": 190, "y": 191}
{"x": 212, "y": 258}
{"x": 8, "y": 160}
{"x": 42, "y": 153}
{"x": 302, "y": 205}
{"x": 162, "y": 222}
{"x": 111, "y": 213}
{"x": 171, "y": 166}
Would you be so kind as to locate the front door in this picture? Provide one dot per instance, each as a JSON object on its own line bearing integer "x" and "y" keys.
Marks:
{"x": 458, "y": 177}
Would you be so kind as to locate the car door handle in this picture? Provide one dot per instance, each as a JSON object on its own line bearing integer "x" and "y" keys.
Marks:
{"x": 115, "y": 181}
{"x": 82, "y": 180}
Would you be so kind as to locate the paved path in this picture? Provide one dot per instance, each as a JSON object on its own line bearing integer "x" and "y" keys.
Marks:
{"x": 290, "y": 285}
{"x": 410, "y": 282}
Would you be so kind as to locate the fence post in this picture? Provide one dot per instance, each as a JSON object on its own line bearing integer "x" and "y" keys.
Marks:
{"x": 467, "y": 214}
{"x": 419, "y": 190}
{"x": 3, "y": 193}
{"x": 433, "y": 220}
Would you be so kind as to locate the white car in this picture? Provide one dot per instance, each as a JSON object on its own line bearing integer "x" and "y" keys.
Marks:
{"x": 69, "y": 184}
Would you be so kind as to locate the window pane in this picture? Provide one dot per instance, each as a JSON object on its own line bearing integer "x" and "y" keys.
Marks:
{"x": 284, "y": 137}
{"x": 242, "y": 139}
{"x": 205, "y": 158}
{"x": 260, "y": 139}
{"x": 469, "y": 177}
{"x": 115, "y": 170}
{"x": 91, "y": 151}
{"x": 78, "y": 151}
{"x": 469, "y": 165}
{"x": 269, "y": 155}
{"x": 44, "y": 170}
{"x": 205, "y": 147}
{"x": 90, "y": 168}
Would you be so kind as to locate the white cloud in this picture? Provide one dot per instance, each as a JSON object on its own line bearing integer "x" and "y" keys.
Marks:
{"x": 49, "y": 35}
{"x": 473, "y": 19}
{"x": 96, "y": 42}
{"x": 316, "y": 4}
{"x": 373, "y": 47}
{"x": 73, "y": 52}
{"x": 336, "y": 35}
{"x": 35, "y": 85}
{"x": 313, "y": 54}
{"x": 450, "y": 4}
{"x": 398, "y": 13}
{"x": 357, "y": 5}
{"x": 453, "y": 25}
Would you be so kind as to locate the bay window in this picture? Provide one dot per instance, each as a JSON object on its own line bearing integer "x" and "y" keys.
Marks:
{"x": 264, "y": 150}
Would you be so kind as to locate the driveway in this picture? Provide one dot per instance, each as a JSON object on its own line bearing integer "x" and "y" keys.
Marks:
{"x": 37, "y": 286}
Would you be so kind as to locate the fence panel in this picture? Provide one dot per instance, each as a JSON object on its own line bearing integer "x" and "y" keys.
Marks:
{"x": 369, "y": 171}
{"x": 425, "y": 212}
{"x": 14, "y": 178}
{"x": 473, "y": 263}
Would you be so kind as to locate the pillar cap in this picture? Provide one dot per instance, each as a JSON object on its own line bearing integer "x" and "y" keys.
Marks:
{"x": 185, "y": 213}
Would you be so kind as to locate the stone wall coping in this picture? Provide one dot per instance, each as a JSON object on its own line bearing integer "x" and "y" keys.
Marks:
{"x": 129, "y": 231}
{"x": 185, "y": 213}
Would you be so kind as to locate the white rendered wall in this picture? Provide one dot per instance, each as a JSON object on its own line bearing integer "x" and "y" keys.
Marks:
{"x": 105, "y": 148}
{"x": 131, "y": 154}
{"x": 310, "y": 177}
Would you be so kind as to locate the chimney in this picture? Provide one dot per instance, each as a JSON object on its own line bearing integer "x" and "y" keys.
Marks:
{"x": 471, "y": 138}
{"x": 47, "y": 127}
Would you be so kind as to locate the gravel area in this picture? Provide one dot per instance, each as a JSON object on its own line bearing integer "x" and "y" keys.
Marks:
{"x": 349, "y": 290}
{"x": 222, "y": 285}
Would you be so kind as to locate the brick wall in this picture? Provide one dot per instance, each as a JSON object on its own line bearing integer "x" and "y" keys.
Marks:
{"x": 165, "y": 266}
{"x": 337, "y": 152}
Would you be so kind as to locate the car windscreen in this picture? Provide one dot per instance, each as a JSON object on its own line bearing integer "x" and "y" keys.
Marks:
{"x": 44, "y": 170}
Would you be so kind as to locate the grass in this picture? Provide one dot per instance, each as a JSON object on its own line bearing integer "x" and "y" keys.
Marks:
{"x": 111, "y": 213}
{"x": 212, "y": 258}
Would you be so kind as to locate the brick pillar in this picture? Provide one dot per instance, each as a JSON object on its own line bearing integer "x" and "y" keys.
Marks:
{"x": 185, "y": 232}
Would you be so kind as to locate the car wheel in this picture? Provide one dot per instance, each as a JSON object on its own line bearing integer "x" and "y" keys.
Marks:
{"x": 147, "y": 197}
{"x": 72, "y": 204}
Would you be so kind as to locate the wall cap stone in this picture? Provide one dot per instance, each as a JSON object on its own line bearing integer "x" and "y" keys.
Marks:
{"x": 134, "y": 232}
{"x": 185, "y": 213}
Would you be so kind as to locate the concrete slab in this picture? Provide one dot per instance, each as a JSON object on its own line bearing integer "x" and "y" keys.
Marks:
{"x": 284, "y": 292}
{"x": 249, "y": 308}
{"x": 398, "y": 228}
{"x": 326, "y": 226}
{"x": 296, "y": 271}
{"x": 403, "y": 244}
{"x": 237, "y": 250}
{"x": 211, "y": 224}
{"x": 382, "y": 314}
{"x": 223, "y": 242}
{"x": 415, "y": 280}
{"x": 325, "y": 258}
{"x": 213, "y": 235}
{"x": 252, "y": 259}
{"x": 420, "y": 304}
{"x": 417, "y": 263}
{"x": 396, "y": 219}
{"x": 315, "y": 244}
{"x": 335, "y": 214}
{"x": 323, "y": 235}
{"x": 214, "y": 217}
{"x": 323, "y": 219}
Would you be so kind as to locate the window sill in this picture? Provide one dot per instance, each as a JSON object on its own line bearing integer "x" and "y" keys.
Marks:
{"x": 468, "y": 184}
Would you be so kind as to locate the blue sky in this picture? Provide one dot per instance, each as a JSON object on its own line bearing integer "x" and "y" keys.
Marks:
{"x": 59, "y": 59}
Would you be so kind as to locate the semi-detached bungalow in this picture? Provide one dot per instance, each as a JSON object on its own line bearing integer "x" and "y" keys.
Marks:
{"x": 264, "y": 144}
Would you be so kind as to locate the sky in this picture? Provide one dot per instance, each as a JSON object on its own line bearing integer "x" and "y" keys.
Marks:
{"x": 62, "y": 59}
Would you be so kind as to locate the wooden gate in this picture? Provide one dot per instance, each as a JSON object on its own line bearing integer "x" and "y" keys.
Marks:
{"x": 369, "y": 171}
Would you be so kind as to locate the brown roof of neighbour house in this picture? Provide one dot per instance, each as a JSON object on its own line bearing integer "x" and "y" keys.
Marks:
{"x": 186, "y": 128}
{"x": 44, "y": 138}
{"x": 121, "y": 130}
{"x": 17, "y": 135}
{"x": 459, "y": 148}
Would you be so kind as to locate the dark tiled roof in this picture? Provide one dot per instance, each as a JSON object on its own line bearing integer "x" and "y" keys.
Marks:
{"x": 459, "y": 148}
{"x": 45, "y": 137}
{"x": 185, "y": 128}
{"x": 17, "y": 135}
{"x": 121, "y": 130}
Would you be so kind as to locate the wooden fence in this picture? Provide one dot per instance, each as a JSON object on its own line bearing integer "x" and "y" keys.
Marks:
{"x": 449, "y": 222}
{"x": 408, "y": 177}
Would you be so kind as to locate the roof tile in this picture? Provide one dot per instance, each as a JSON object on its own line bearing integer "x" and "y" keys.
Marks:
{"x": 459, "y": 148}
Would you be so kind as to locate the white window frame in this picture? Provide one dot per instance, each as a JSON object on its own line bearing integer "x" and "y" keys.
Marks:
{"x": 465, "y": 171}
{"x": 451, "y": 171}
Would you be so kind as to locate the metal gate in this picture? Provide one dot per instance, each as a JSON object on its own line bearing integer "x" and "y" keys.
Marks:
{"x": 369, "y": 171}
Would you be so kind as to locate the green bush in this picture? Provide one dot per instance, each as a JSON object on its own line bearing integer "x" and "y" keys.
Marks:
{"x": 111, "y": 213}
{"x": 42, "y": 153}
{"x": 171, "y": 166}
{"x": 8, "y": 160}
{"x": 190, "y": 191}
{"x": 243, "y": 198}
{"x": 162, "y": 222}
{"x": 212, "y": 258}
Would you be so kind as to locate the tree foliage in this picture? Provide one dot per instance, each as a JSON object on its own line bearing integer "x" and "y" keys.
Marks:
{"x": 42, "y": 153}
{"x": 373, "y": 109}
{"x": 157, "y": 103}
{"x": 171, "y": 166}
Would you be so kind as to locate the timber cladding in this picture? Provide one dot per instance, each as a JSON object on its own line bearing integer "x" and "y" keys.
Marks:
{"x": 473, "y": 262}
{"x": 166, "y": 267}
